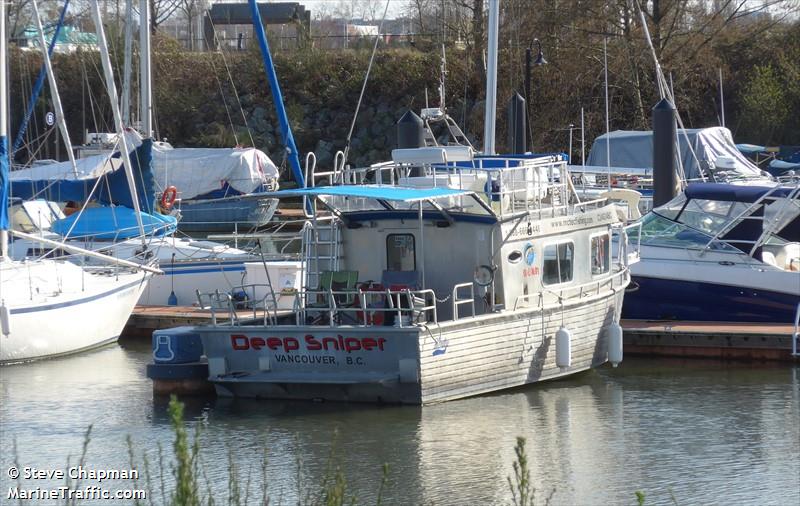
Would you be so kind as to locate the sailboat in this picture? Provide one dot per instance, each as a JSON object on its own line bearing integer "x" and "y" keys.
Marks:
{"x": 50, "y": 308}
{"x": 112, "y": 228}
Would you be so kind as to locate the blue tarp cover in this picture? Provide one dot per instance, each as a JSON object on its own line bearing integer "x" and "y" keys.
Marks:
{"x": 379, "y": 192}
{"x": 113, "y": 223}
{"x": 732, "y": 192}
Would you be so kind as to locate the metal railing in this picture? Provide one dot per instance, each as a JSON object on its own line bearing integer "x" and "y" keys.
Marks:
{"x": 617, "y": 280}
{"x": 216, "y": 301}
{"x": 458, "y": 302}
{"x": 625, "y": 256}
{"x": 350, "y": 306}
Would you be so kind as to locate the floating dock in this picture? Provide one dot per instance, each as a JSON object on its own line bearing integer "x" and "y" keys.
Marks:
{"x": 736, "y": 341}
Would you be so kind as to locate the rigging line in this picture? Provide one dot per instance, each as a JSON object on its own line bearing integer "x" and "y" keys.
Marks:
{"x": 233, "y": 85}
{"x": 364, "y": 85}
{"x": 89, "y": 94}
{"x": 224, "y": 101}
{"x": 39, "y": 83}
{"x": 665, "y": 91}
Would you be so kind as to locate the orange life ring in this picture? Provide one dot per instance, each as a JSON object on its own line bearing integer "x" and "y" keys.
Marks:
{"x": 168, "y": 198}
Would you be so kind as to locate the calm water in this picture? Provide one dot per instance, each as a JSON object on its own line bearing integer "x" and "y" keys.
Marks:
{"x": 703, "y": 432}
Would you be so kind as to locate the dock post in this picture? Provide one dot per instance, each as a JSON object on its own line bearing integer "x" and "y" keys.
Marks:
{"x": 664, "y": 139}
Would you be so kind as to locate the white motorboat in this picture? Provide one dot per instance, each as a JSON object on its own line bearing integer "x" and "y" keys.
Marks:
{"x": 720, "y": 252}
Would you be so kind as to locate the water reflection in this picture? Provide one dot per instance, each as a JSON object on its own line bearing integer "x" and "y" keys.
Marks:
{"x": 706, "y": 432}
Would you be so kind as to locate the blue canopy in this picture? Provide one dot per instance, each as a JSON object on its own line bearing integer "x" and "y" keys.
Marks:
{"x": 732, "y": 192}
{"x": 113, "y": 223}
{"x": 111, "y": 190}
{"x": 378, "y": 192}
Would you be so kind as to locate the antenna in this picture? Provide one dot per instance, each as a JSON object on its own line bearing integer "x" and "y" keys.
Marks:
{"x": 721, "y": 99}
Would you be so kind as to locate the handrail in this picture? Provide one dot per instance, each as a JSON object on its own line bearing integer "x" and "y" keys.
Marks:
{"x": 579, "y": 289}
{"x": 457, "y": 302}
{"x": 333, "y": 309}
{"x": 221, "y": 299}
{"x": 622, "y": 230}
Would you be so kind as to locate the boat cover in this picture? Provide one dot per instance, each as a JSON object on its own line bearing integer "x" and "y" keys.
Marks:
{"x": 634, "y": 149}
{"x": 110, "y": 188}
{"x": 193, "y": 171}
{"x": 735, "y": 192}
{"x": 113, "y": 223}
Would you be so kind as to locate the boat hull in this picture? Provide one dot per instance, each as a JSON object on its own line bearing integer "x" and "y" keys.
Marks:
{"x": 651, "y": 298}
{"x": 228, "y": 214}
{"x": 690, "y": 285}
{"x": 410, "y": 365}
{"x": 70, "y": 321}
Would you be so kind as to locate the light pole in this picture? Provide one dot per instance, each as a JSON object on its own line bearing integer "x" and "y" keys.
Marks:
{"x": 528, "y": 63}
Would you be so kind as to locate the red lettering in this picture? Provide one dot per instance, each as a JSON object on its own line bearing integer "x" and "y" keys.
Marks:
{"x": 381, "y": 340}
{"x": 331, "y": 340}
{"x": 290, "y": 344}
{"x": 239, "y": 342}
{"x": 368, "y": 343}
{"x": 274, "y": 343}
{"x": 257, "y": 342}
{"x": 312, "y": 344}
{"x": 352, "y": 344}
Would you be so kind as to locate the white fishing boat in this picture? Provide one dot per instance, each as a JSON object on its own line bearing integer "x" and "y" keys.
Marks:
{"x": 417, "y": 292}
{"x": 50, "y": 308}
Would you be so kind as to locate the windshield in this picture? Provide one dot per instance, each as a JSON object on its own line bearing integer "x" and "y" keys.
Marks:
{"x": 659, "y": 231}
{"x": 712, "y": 216}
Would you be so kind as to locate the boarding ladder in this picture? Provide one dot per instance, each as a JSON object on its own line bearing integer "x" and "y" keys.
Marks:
{"x": 322, "y": 248}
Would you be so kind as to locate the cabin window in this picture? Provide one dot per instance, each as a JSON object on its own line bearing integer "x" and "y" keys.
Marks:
{"x": 601, "y": 254}
{"x": 558, "y": 263}
{"x": 400, "y": 255}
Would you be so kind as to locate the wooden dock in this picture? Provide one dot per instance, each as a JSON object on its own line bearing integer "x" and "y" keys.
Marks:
{"x": 737, "y": 341}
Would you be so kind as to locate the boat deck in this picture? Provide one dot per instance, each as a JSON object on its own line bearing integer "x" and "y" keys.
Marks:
{"x": 146, "y": 319}
{"x": 726, "y": 340}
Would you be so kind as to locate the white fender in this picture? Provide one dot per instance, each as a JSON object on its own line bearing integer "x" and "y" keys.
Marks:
{"x": 614, "y": 333}
{"x": 5, "y": 320}
{"x": 563, "y": 348}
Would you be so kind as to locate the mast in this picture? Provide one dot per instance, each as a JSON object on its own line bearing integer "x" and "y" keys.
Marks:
{"x": 4, "y": 185}
{"x": 51, "y": 78}
{"x": 37, "y": 88}
{"x": 491, "y": 79}
{"x": 112, "y": 94}
{"x": 126, "y": 70}
{"x": 146, "y": 80}
{"x": 277, "y": 96}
